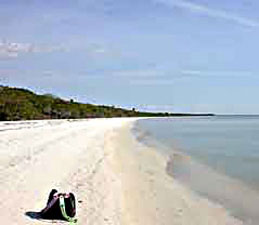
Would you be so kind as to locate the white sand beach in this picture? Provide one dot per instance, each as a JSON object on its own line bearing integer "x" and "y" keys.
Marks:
{"x": 116, "y": 179}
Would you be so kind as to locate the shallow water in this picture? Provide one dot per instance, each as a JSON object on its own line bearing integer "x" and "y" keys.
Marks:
{"x": 218, "y": 157}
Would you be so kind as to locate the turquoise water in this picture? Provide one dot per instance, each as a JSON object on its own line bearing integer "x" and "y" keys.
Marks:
{"x": 217, "y": 157}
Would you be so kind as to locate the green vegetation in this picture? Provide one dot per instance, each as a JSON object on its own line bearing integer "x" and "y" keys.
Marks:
{"x": 21, "y": 104}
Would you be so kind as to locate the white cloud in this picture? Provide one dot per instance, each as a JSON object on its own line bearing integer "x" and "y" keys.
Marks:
{"x": 138, "y": 73}
{"x": 219, "y": 73}
{"x": 153, "y": 82}
{"x": 156, "y": 107}
{"x": 13, "y": 49}
{"x": 191, "y": 72}
{"x": 49, "y": 73}
{"x": 98, "y": 50}
{"x": 205, "y": 10}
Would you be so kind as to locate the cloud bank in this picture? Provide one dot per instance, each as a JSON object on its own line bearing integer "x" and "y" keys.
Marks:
{"x": 9, "y": 50}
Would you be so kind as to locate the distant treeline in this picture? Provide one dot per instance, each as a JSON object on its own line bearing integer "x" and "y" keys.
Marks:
{"x": 22, "y": 104}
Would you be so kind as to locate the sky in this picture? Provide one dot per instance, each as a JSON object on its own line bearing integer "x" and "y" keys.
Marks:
{"x": 156, "y": 55}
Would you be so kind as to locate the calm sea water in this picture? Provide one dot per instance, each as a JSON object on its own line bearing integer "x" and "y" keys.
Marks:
{"x": 217, "y": 157}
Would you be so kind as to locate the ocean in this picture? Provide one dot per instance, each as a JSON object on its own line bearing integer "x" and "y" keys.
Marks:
{"x": 216, "y": 157}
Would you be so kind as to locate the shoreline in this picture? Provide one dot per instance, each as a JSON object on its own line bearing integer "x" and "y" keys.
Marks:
{"x": 165, "y": 200}
{"x": 117, "y": 179}
{"x": 239, "y": 198}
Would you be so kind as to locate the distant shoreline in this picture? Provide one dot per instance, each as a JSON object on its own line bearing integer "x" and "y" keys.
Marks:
{"x": 18, "y": 104}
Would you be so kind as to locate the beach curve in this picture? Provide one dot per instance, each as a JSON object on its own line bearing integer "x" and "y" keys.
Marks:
{"x": 116, "y": 179}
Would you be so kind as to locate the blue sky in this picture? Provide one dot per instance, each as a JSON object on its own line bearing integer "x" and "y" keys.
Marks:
{"x": 174, "y": 55}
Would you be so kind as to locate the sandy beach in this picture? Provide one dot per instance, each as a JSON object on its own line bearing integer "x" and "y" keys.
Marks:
{"x": 116, "y": 179}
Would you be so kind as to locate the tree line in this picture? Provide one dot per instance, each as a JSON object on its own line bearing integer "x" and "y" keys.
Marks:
{"x": 22, "y": 104}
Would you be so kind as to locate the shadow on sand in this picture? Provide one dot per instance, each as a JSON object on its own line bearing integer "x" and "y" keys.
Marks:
{"x": 33, "y": 215}
{"x": 37, "y": 216}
